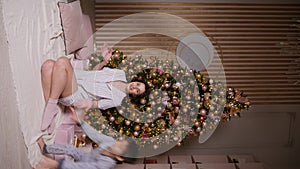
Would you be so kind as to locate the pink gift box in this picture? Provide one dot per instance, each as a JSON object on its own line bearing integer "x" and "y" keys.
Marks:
{"x": 64, "y": 135}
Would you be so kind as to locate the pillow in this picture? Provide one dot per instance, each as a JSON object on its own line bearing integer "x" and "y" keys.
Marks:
{"x": 88, "y": 48}
{"x": 72, "y": 24}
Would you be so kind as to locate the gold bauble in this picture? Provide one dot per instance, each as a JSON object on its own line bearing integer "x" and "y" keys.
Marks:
{"x": 137, "y": 127}
{"x": 119, "y": 120}
{"x": 205, "y": 80}
{"x": 161, "y": 123}
{"x": 128, "y": 132}
{"x": 143, "y": 101}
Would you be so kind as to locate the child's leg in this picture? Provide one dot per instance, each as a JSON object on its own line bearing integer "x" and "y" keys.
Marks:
{"x": 61, "y": 149}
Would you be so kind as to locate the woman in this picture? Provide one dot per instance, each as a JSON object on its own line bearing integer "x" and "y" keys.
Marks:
{"x": 104, "y": 88}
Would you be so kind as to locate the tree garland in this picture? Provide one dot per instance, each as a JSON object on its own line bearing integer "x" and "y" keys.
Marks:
{"x": 150, "y": 118}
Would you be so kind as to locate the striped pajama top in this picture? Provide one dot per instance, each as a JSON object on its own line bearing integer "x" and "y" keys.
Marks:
{"x": 95, "y": 84}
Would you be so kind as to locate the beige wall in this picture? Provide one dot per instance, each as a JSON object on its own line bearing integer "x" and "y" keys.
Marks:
{"x": 13, "y": 151}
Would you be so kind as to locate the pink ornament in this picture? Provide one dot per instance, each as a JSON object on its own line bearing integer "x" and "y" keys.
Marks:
{"x": 135, "y": 133}
{"x": 127, "y": 122}
{"x": 191, "y": 132}
{"x": 112, "y": 119}
{"x": 203, "y": 112}
{"x": 167, "y": 85}
{"x": 204, "y": 87}
{"x": 145, "y": 135}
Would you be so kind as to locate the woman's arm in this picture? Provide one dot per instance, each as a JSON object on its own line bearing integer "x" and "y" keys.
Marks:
{"x": 104, "y": 141}
{"x": 100, "y": 65}
{"x": 95, "y": 104}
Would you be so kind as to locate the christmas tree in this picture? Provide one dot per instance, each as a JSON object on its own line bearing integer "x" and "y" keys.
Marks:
{"x": 182, "y": 102}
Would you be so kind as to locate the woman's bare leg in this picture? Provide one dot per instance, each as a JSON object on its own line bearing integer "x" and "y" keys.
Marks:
{"x": 63, "y": 79}
{"x": 62, "y": 83}
{"x": 46, "y": 77}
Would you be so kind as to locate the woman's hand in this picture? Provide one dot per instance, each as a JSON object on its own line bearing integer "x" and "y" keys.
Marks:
{"x": 47, "y": 162}
{"x": 106, "y": 52}
{"x": 74, "y": 115}
{"x": 84, "y": 104}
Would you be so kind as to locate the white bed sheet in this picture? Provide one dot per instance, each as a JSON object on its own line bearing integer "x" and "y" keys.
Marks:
{"x": 34, "y": 34}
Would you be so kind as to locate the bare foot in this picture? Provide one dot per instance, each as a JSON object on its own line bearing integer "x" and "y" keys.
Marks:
{"x": 41, "y": 144}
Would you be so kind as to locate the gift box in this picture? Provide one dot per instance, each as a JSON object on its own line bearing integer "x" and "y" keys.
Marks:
{"x": 184, "y": 166}
{"x": 210, "y": 158}
{"x": 175, "y": 159}
{"x": 158, "y": 166}
{"x": 64, "y": 134}
{"x": 216, "y": 166}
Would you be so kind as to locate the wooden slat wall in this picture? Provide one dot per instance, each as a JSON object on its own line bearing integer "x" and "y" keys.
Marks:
{"x": 258, "y": 43}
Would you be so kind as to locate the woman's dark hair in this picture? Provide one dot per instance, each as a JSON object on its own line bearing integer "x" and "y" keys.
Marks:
{"x": 136, "y": 99}
{"x": 132, "y": 152}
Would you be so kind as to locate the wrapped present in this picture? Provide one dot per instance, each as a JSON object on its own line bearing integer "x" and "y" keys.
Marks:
{"x": 64, "y": 134}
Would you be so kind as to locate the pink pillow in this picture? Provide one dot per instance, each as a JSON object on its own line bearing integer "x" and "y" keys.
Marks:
{"x": 88, "y": 48}
{"x": 71, "y": 16}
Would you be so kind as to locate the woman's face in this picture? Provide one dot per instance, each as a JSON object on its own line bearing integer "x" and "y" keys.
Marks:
{"x": 136, "y": 88}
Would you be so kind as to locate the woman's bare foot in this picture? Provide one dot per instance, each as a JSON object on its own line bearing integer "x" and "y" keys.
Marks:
{"x": 41, "y": 144}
